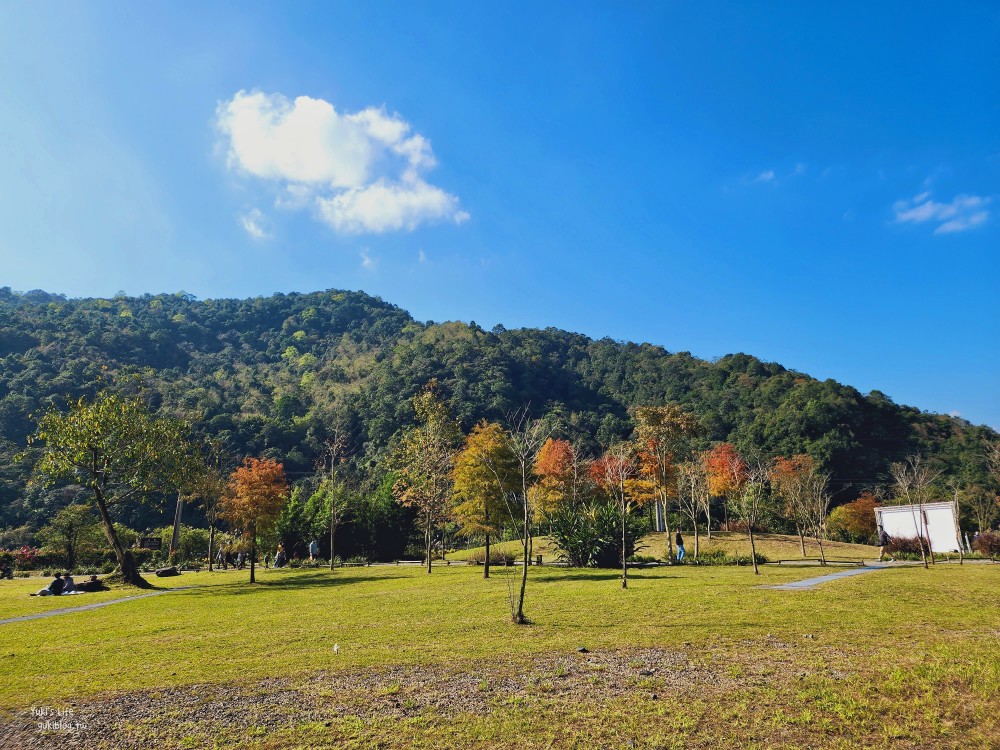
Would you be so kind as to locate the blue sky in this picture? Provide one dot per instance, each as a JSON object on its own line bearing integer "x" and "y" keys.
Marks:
{"x": 814, "y": 185}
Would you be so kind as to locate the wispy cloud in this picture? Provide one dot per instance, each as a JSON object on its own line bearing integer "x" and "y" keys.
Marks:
{"x": 254, "y": 224}
{"x": 367, "y": 261}
{"x": 360, "y": 172}
{"x": 766, "y": 176}
{"x": 962, "y": 213}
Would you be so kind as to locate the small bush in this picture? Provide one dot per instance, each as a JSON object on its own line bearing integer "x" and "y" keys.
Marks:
{"x": 903, "y": 548}
{"x": 357, "y": 560}
{"x": 987, "y": 544}
{"x": 497, "y": 557}
{"x": 719, "y": 557}
{"x": 642, "y": 559}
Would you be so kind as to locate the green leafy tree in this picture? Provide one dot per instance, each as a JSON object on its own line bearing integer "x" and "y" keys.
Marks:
{"x": 119, "y": 451}
{"x": 73, "y": 533}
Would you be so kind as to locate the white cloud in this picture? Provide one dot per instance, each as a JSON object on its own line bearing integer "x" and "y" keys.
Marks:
{"x": 366, "y": 259}
{"x": 362, "y": 172}
{"x": 421, "y": 256}
{"x": 254, "y": 223}
{"x": 388, "y": 206}
{"x": 766, "y": 176}
{"x": 962, "y": 213}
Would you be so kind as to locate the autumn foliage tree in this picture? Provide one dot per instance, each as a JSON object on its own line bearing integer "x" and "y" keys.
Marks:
{"x": 256, "y": 494}
{"x": 663, "y": 432}
{"x": 790, "y": 480}
{"x": 727, "y": 471}
{"x": 855, "y": 521}
{"x": 618, "y": 473}
{"x": 483, "y": 477}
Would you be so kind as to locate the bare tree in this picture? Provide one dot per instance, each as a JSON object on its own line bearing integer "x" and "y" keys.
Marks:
{"x": 751, "y": 501}
{"x": 912, "y": 480}
{"x": 615, "y": 472}
{"x": 692, "y": 494}
{"x": 335, "y": 450}
{"x": 816, "y": 505}
{"x": 524, "y": 437}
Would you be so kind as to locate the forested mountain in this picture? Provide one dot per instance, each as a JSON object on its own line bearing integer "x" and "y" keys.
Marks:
{"x": 274, "y": 376}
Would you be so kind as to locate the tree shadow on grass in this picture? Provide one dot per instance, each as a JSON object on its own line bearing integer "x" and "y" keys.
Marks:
{"x": 293, "y": 582}
{"x": 604, "y": 575}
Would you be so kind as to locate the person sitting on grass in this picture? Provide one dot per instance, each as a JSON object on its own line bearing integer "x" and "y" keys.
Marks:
{"x": 69, "y": 585}
{"x": 55, "y": 588}
{"x": 91, "y": 585}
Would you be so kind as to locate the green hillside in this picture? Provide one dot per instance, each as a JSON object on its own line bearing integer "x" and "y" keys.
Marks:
{"x": 273, "y": 376}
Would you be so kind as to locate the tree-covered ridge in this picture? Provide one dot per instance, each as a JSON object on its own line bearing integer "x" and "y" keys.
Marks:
{"x": 273, "y": 376}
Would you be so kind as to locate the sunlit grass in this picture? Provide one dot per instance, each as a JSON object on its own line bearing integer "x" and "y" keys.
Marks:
{"x": 894, "y": 656}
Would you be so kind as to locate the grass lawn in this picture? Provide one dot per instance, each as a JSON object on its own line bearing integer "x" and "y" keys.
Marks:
{"x": 773, "y": 546}
{"x": 686, "y": 657}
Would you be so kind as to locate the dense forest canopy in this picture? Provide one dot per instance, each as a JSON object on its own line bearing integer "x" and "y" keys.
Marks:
{"x": 276, "y": 376}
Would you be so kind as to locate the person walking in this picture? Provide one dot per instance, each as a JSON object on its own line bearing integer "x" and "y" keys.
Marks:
{"x": 679, "y": 541}
{"x": 313, "y": 550}
{"x": 883, "y": 542}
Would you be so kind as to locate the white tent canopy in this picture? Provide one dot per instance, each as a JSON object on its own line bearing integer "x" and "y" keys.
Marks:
{"x": 934, "y": 521}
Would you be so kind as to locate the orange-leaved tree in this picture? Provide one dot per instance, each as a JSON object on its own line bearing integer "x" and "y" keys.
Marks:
{"x": 727, "y": 472}
{"x": 790, "y": 481}
{"x": 257, "y": 493}
{"x": 618, "y": 474}
{"x": 663, "y": 432}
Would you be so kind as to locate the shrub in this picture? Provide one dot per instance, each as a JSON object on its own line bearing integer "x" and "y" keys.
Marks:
{"x": 357, "y": 560}
{"x": 25, "y": 558}
{"x": 987, "y": 544}
{"x": 497, "y": 557}
{"x": 593, "y": 536}
{"x": 6, "y": 559}
{"x": 903, "y": 548}
{"x": 719, "y": 557}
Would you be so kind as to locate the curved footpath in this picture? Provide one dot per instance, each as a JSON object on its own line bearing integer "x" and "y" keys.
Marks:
{"x": 95, "y": 605}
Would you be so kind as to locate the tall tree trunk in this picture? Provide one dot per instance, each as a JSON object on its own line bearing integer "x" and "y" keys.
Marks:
{"x": 670, "y": 538}
{"x": 333, "y": 530}
{"x": 753, "y": 550}
{"x": 930, "y": 551}
{"x": 694, "y": 521}
{"x": 708, "y": 518}
{"x": 253, "y": 554}
{"x": 624, "y": 560}
{"x": 519, "y": 617}
{"x": 802, "y": 539}
{"x": 427, "y": 541}
{"x": 486, "y": 562}
{"x": 819, "y": 541}
{"x": 211, "y": 544}
{"x": 126, "y": 562}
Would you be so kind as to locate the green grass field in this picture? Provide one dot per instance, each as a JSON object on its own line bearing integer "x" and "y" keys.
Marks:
{"x": 686, "y": 657}
{"x": 773, "y": 546}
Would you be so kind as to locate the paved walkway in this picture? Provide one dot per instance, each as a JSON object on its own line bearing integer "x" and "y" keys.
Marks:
{"x": 809, "y": 583}
{"x": 95, "y": 605}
